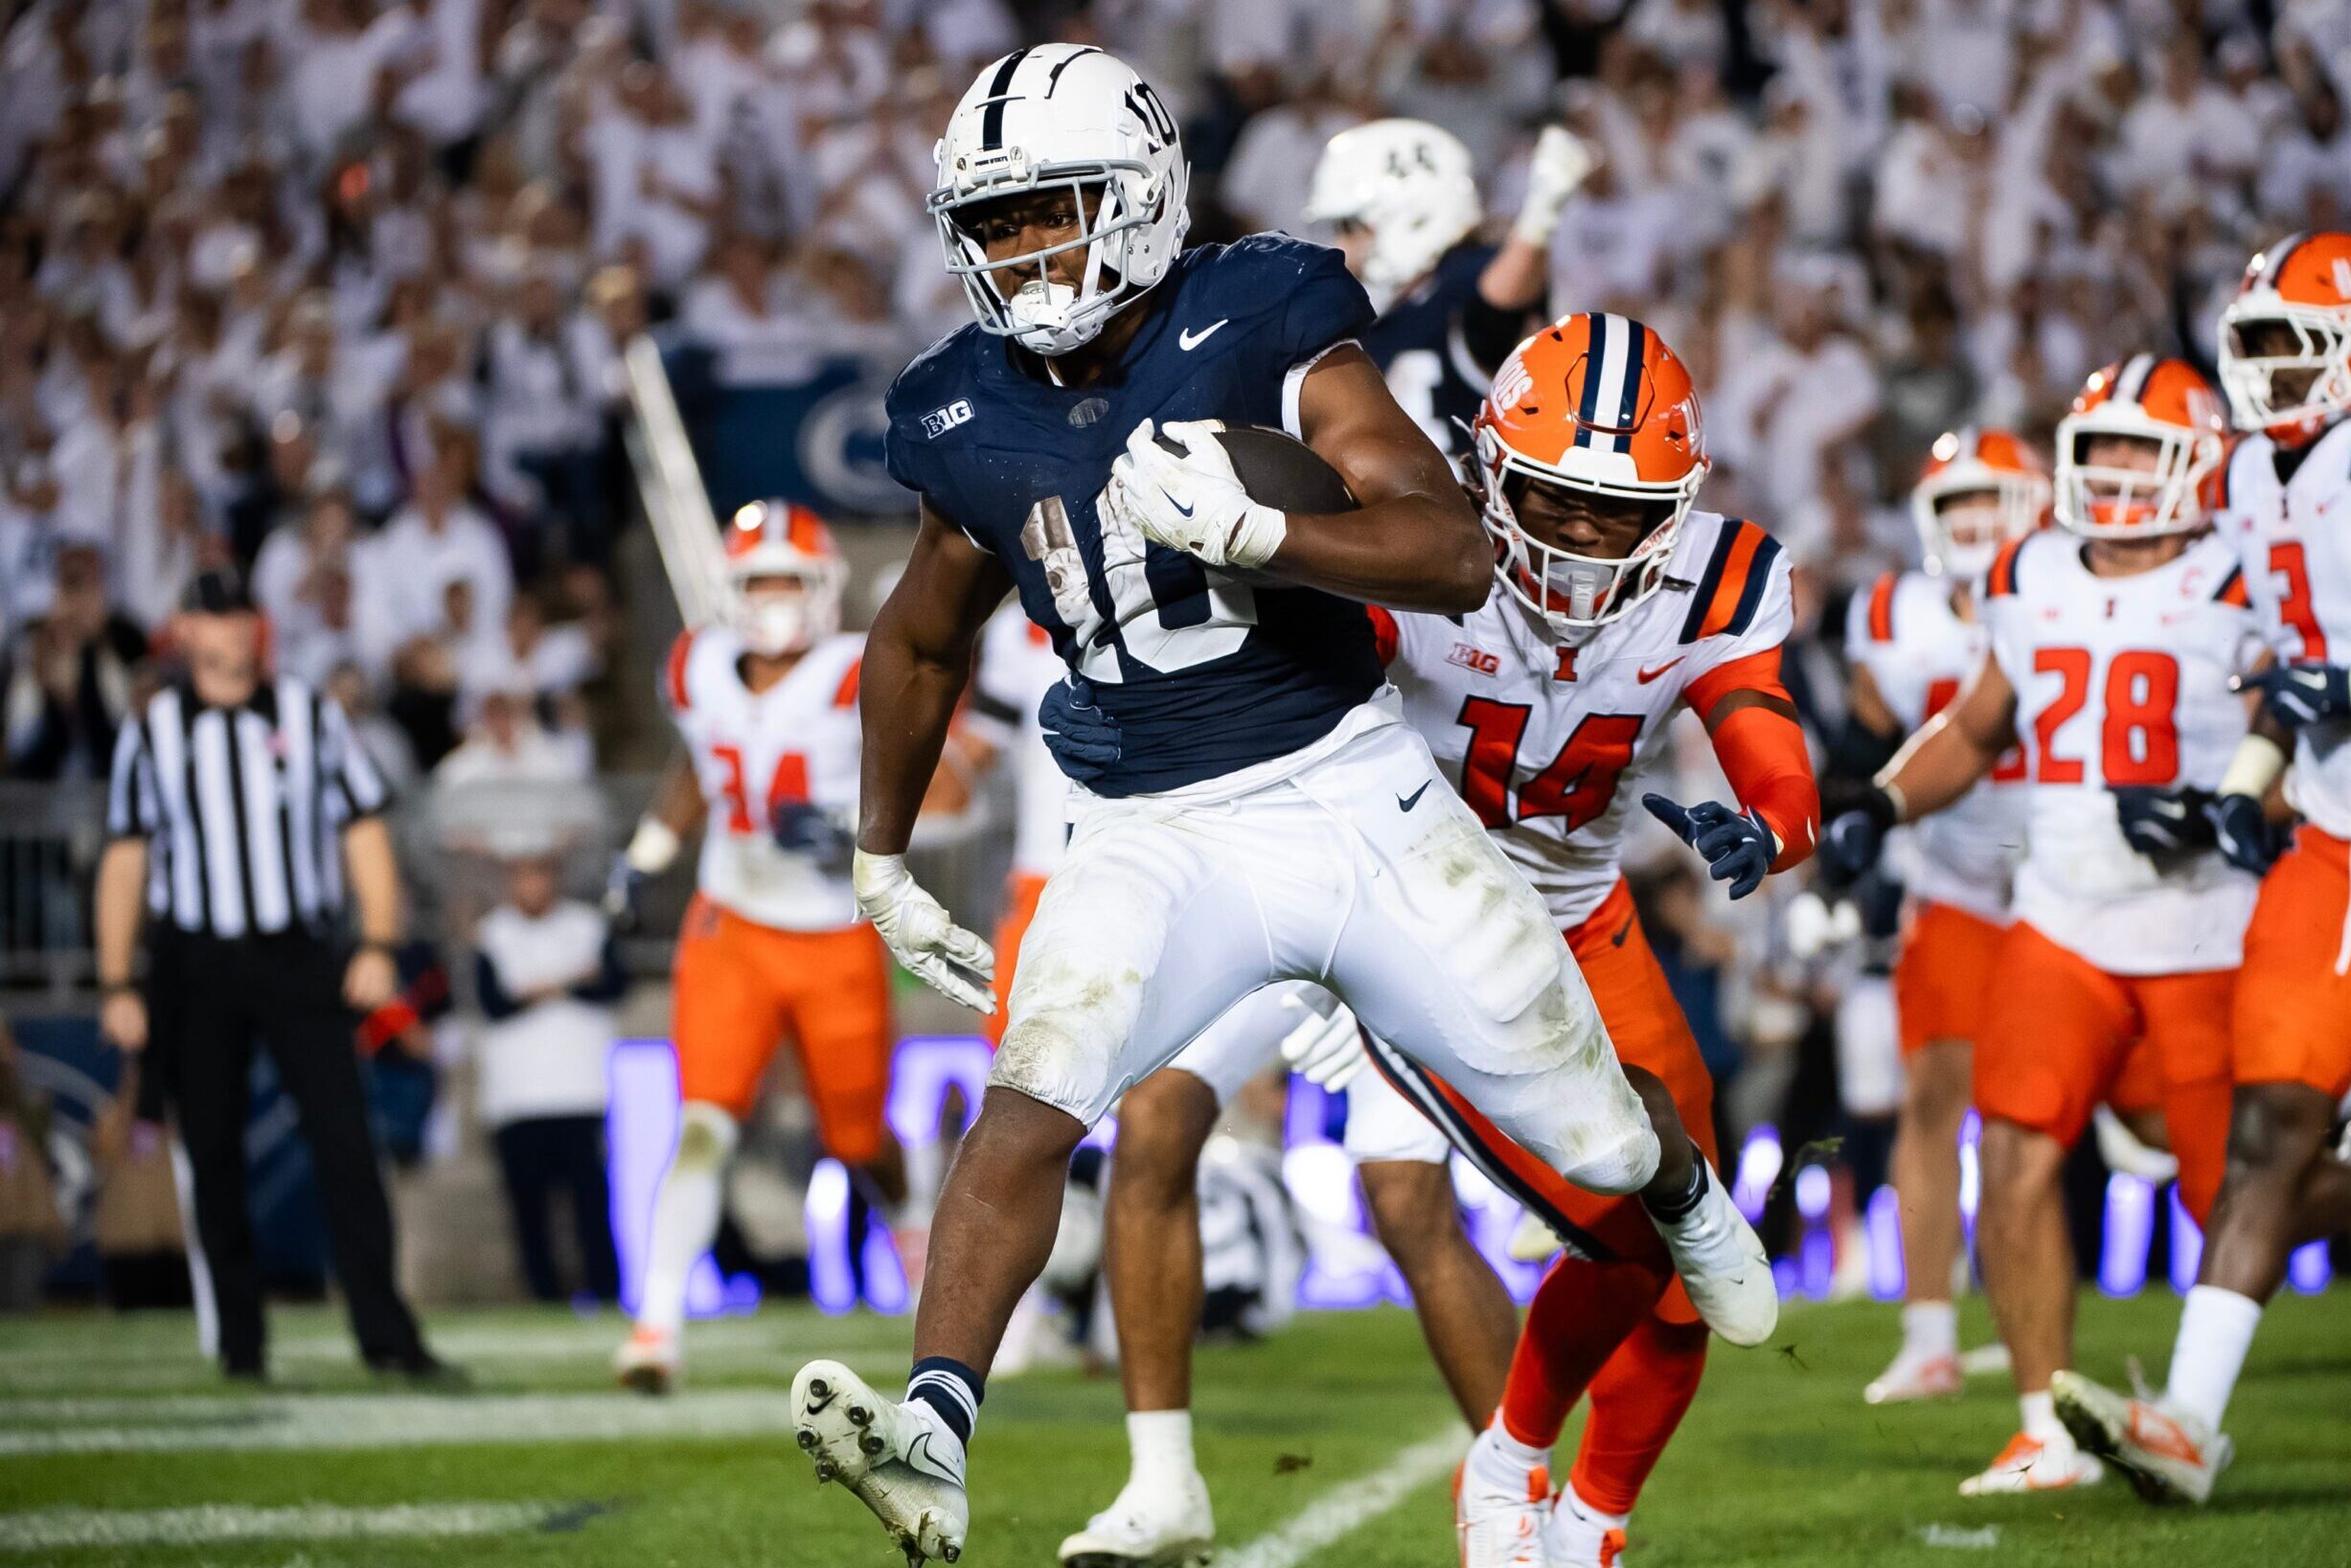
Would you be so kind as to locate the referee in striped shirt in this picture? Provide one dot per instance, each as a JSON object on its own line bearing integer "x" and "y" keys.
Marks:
{"x": 243, "y": 820}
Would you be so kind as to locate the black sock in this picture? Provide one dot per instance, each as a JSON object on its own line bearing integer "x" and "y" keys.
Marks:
{"x": 1673, "y": 1206}
{"x": 950, "y": 1388}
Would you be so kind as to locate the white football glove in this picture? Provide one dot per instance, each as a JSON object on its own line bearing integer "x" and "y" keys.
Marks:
{"x": 1325, "y": 1050}
{"x": 951, "y": 961}
{"x": 1561, "y": 162}
{"x": 1193, "y": 502}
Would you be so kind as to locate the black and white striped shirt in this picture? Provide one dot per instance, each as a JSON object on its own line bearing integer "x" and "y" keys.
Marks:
{"x": 243, "y": 809}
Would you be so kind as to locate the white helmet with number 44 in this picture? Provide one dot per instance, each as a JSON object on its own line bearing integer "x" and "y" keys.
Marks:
{"x": 1409, "y": 187}
{"x": 1071, "y": 117}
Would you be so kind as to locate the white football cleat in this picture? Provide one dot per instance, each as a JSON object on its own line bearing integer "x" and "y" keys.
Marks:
{"x": 1723, "y": 1266}
{"x": 901, "y": 1460}
{"x": 649, "y": 1360}
{"x": 2166, "y": 1454}
{"x": 2029, "y": 1465}
{"x": 1915, "y": 1376}
{"x": 1153, "y": 1528}
{"x": 1500, "y": 1527}
{"x": 1575, "y": 1539}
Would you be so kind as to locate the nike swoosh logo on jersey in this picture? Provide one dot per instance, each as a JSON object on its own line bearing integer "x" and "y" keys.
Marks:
{"x": 1406, "y": 803}
{"x": 1188, "y": 340}
{"x": 1645, "y": 674}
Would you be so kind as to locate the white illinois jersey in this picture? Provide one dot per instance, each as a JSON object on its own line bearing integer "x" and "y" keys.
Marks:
{"x": 1017, "y": 667}
{"x": 1543, "y": 740}
{"x": 2123, "y": 681}
{"x": 796, "y": 742}
{"x": 1918, "y": 650}
{"x": 2288, "y": 512}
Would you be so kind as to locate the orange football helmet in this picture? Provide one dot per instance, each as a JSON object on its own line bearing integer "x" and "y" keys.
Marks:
{"x": 1970, "y": 463}
{"x": 2160, "y": 401}
{"x": 1595, "y": 403}
{"x": 772, "y": 540}
{"x": 2302, "y": 283}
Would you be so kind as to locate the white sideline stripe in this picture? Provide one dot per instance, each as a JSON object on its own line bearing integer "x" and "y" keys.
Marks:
{"x": 352, "y": 1422}
{"x": 1345, "y": 1509}
{"x": 46, "y": 1530}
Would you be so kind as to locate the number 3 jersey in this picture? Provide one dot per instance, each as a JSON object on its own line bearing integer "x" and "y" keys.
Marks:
{"x": 795, "y": 744}
{"x": 1207, "y": 671}
{"x": 2288, "y": 512}
{"x": 1911, "y": 638}
{"x": 1546, "y": 741}
{"x": 2122, "y": 681}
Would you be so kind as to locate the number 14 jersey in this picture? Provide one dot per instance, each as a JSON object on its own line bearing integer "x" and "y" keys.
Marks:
{"x": 2122, "y": 681}
{"x": 1546, "y": 741}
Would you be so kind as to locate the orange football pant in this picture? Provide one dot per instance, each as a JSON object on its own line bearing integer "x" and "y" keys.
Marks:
{"x": 2060, "y": 1033}
{"x": 1945, "y": 974}
{"x": 741, "y": 987}
{"x": 2294, "y": 1004}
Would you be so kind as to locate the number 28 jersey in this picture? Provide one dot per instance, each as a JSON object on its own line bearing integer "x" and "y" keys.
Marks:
{"x": 1207, "y": 671}
{"x": 2122, "y": 681}
{"x": 1546, "y": 741}
{"x": 796, "y": 742}
{"x": 2289, "y": 514}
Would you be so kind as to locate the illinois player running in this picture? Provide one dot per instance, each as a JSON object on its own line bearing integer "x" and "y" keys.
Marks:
{"x": 2284, "y": 362}
{"x": 1268, "y": 819}
{"x": 1617, "y": 603}
{"x": 2114, "y": 642}
{"x": 773, "y": 946}
{"x": 1912, "y": 641}
{"x": 1399, "y": 198}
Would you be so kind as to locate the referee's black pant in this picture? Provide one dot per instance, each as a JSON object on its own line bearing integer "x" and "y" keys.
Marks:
{"x": 209, "y": 1001}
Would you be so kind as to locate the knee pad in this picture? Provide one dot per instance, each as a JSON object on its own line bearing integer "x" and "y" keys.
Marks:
{"x": 706, "y": 1138}
{"x": 1621, "y": 1169}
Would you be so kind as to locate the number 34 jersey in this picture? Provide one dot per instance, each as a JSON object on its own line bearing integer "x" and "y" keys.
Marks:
{"x": 1546, "y": 742}
{"x": 797, "y": 742}
{"x": 2123, "y": 681}
{"x": 1207, "y": 671}
{"x": 2289, "y": 514}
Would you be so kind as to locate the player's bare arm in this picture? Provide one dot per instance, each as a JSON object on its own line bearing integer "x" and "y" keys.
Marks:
{"x": 1868, "y": 706}
{"x": 918, "y": 657}
{"x": 1954, "y": 749}
{"x": 1416, "y": 544}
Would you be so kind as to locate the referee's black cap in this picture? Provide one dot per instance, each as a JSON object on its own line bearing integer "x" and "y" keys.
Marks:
{"x": 220, "y": 591}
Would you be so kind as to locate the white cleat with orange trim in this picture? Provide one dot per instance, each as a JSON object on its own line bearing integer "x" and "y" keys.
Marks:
{"x": 2028, "y": 1464}
{"x": 1915, "y": 1376}
{"x": 649, "y": 1360}
{"x": 1500, "y": 1527}
{"x": 1575, "y": 1538}
{"x": 2165, "y": 1453}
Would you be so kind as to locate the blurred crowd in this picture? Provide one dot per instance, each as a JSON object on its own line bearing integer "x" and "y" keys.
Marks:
{"x": 337, "y": 290}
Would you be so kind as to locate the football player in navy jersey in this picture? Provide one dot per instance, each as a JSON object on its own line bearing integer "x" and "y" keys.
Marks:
{"x": 1400, "y": 199}
{"x": 1267, "y": 816}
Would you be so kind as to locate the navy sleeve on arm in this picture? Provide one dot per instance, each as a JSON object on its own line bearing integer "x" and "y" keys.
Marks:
{"x": 489, "y": 990}
{"x": 1326, "y": 304}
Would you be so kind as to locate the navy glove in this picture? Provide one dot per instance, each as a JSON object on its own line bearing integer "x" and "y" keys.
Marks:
{"x": 1738, "y": 846}
{"x": 809, "y": 830}
{"x": 1084, "y": 740}
{"x": 2297, "y": 694}
{"x": 2162, "y": 819}
{"x": 1854, "y": 835}
{"x": 622, "y": 890}
{"x": 2242, "y": 831}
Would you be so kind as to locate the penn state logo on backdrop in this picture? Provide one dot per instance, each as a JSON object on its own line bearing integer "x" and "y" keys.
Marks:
{"x": 840, "y": 449}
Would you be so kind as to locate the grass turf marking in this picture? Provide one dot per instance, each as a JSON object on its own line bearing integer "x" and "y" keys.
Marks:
{"x": 1345, "y": 1509}
{"x": 49, "y": 1530}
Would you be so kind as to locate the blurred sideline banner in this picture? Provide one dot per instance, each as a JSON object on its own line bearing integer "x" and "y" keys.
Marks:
{"x": 807, "y": 429}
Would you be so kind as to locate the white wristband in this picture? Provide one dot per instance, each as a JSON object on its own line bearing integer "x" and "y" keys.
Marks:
{"x": 653, "y": 848}
{"x": 2254, "y": 768}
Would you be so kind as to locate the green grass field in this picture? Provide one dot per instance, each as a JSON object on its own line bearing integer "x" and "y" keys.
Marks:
{"x": 117, "y": 1446}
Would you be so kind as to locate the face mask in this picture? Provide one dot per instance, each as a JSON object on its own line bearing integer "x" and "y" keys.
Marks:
{"x": 775, "y": 626}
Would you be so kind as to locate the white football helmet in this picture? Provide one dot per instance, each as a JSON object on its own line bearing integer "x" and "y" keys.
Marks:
{"x": 784, "y": 539}
{"x": 1411, "y": 185}
{"x": 1066, "y": 115}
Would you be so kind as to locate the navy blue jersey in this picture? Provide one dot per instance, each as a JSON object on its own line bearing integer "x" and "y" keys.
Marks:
{"x": 1207, "y": 671}
{"x": 1419, "y": 348}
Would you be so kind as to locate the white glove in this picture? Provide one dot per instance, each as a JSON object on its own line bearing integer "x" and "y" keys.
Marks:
{"x": 1193, "y": 502}
{"x": 951, "y": 961}
{"x": 1325, "y": 1051}
{"x": 1561, "y": 163}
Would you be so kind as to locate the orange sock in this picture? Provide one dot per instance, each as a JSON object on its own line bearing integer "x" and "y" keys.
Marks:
{"x": 1638, "y": 1400}
{"x": 1580, "y": 1312}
